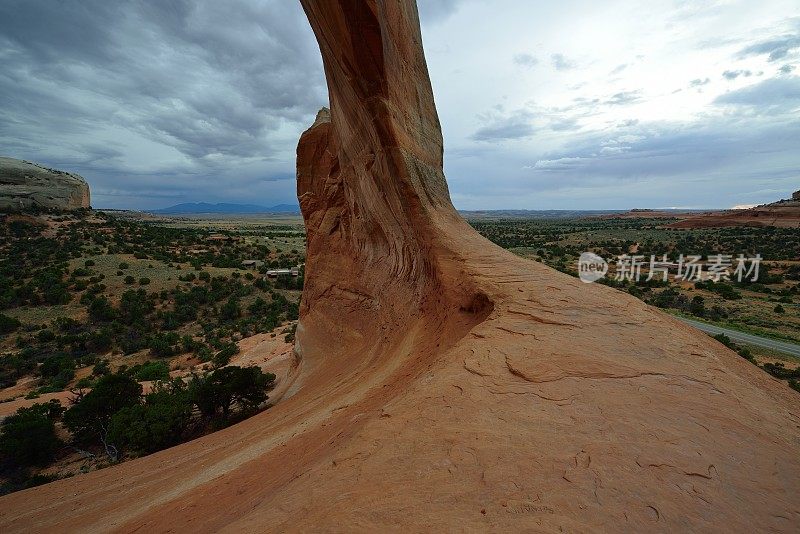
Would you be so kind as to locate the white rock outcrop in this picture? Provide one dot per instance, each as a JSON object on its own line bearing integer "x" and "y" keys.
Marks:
{"x": 25, "y": 185}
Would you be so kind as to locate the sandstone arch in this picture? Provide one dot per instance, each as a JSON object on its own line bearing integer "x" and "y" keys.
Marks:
{"x": 446, "y": 384}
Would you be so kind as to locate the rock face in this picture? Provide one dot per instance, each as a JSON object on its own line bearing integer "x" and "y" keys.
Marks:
{"x": 445, "y": 384}
{"x": 25, "y": 185}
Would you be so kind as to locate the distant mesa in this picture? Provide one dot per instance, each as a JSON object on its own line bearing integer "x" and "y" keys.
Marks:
{"x": 781, "y": 214}
{"x": 205, "y": 207}
{"x": 645, "y": 213}
{"x": 25, "y": 185}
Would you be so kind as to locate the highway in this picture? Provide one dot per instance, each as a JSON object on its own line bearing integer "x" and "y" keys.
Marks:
{"x": 740, "y": 337}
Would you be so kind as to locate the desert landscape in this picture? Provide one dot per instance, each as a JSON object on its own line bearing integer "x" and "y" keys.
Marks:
{"x": 417, "y": 371}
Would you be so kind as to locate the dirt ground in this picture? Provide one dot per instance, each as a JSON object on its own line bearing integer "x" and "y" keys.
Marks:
{"x": 268, "y": 351}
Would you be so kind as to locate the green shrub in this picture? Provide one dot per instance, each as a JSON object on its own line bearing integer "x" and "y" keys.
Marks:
{"x": 133, "y": 341}
{"x": 725, "y": 340}
{"x": 222, "y": 390}
{"x": 29, "y": 436}
{"x": 100, "y": 310}
{"x": 224, "y": 356}
{"x": 134, "y": 306}
{"x": 153, "y": 370}
{"x": 779, "y": 370}
{"x": 101, "y": 368}
{"x": 89, "y": 417}
{"x": 697, "y": 306}
{"x": 8, "y": 324}
{"x": 160, "y": 422}
{"x": 100, "y": 340}
{"x": 795, "y": 385}
{"x": 45, "y": 336}
{"x": 56, "y": 364}
{"x": 231, "y": 310}
{"x": 170, "y": 320}
{"x": 30, "y": 482}
{"x": 164, "y": 344}
{"x": 87, "y": 382}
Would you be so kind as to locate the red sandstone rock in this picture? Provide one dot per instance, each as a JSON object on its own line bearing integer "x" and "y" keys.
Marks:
{"x": 445, "y": 384}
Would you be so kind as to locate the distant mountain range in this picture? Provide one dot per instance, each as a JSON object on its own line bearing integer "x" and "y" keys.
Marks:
{"x": 205, "y": 207}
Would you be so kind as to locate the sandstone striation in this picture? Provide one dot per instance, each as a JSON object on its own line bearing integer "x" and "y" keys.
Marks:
{"x": 444, "y": 384}
{"x": 25, "y": 185}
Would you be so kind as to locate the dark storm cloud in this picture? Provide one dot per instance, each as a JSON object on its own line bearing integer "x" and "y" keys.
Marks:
{"x": 776, "y": 48}
{"x": 200, "y": 86}
{"x": 526, "y": 60}
{"x": 560, "y": 62}
{"x": 590, "y": 106}
{"x": 196, "y": 93}
{"x": 743, "y": 151}
{"x": 624, "y": 98}
{"x": 663, "y": 149}
{"x": 564, "y": 124}
{"x": 775, "y": 95}
{"x": 502, "y": 126}
{"x": 503, "y": 130}
{"x": 163, "y": 102}
{"x": 733, "y": 74}
{"x": 186, "y": 76}
{"x": 663, "y": 154}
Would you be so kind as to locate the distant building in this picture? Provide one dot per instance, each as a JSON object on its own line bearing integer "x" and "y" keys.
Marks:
{"x": 274, "y": 273}
{"x": 249, "y": 264}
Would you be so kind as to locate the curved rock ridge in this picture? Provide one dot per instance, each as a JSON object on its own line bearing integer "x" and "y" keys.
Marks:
{"x": 25, "y": 185}
{"x": 444, "y": 384}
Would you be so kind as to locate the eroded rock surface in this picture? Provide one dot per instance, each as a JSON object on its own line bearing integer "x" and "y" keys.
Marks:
{"x": 25, "y": 185}
{"x": 445, "y": 384}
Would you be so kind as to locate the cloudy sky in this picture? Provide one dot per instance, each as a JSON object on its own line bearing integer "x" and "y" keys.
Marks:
{"x": 544, "y": 105}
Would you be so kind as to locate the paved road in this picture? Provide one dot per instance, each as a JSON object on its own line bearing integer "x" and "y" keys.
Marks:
{"x": 741, "y": 337}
